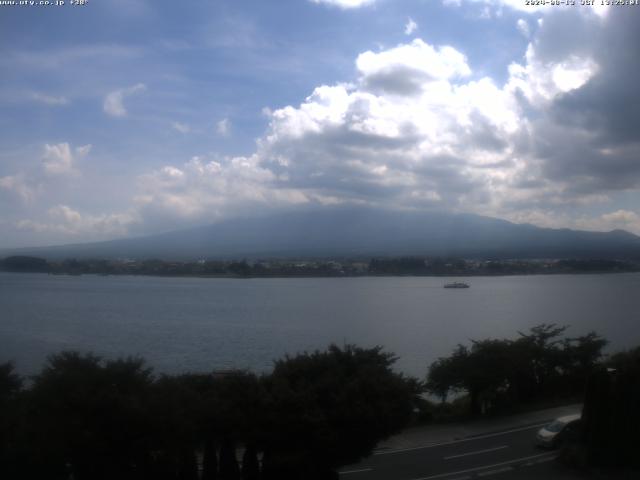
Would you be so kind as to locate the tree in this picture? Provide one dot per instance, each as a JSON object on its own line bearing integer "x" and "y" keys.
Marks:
{"x": 88, "y": 418}
{"x": 239, "y": 403}
{"x": 544, "y": 355}
{"x": 505, "y": 372}
{"x": 20, "y": 263}
{"x": 610, "y": 414}
{"x": 481, "y": 371}
{"x": 444, "y": 374}
{"x": 176, "y": 410}
{"x": 10, "y": 392}
{"x": 581, "y": 357}
{"x": 487, "y": 373}
{"x": 331, "y": 408}
{"x": 10, "y": 382}
{"x": 250, "y": 465}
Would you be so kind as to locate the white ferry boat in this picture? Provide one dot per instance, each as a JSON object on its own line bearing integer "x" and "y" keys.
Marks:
{"x": 456, "y": 285}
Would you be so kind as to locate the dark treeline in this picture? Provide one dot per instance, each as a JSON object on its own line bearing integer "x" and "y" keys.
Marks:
{"x": 83, "y": 417}
{"x": 314, "y": 268}
{"x": 542, "y": 366}
{"x": 500, "y": 374}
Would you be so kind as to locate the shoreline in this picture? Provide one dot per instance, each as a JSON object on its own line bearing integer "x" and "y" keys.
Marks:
{"x": 305, "y": 276}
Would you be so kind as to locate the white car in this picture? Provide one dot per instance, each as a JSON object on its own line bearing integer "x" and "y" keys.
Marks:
{"x": 554, "y": 433}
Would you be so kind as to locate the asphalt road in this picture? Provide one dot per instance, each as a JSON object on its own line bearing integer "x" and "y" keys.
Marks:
{"x": 504, "y": 455}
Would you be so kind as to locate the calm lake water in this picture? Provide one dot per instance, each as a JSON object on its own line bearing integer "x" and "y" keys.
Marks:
{"x": 193, "y": 324}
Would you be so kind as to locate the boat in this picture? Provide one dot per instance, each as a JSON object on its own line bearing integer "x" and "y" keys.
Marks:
{"x": 456, "y": 285}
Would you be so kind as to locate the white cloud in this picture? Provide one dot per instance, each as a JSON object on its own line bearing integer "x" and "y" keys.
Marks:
{"x": 541, "y": 80}
{"x": 523, "y": 27}
{"x": 49, "y": 99}
{"x": 624, "y": 219}
{"x": 417, "y": 127}
{"x": 410, "y": 27}
{"x": 616, "y": 220}
{"x": 114, "y": 101}
{"x": 346, "y": 3}
{"x": 18, "y": 185}
{"x": 181, "y": 127}
{"x": 59, "y": 159}
{"x": 573, "y": 73}
{"x": 412, "y": 68}
{"x": 67, "y": 221}
{"x": 207, "y": 188}
{"x": 436, "y": 63}
{"x": 411, "y": 132}
{"x": 223, "y": 127}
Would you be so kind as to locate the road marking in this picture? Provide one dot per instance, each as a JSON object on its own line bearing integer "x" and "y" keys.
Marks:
{"x": 479, "y": 437}
{"x": 347, "y": 472}
{"x": 495, "y": 472}
{"x": 484, "y": 467}
{"x": 477, "y": 452}
{"x": 543, "y": 460}
{"x": 536, "y": 462}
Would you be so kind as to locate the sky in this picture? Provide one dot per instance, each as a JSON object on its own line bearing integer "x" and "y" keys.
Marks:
{"x": 124, "y": 118}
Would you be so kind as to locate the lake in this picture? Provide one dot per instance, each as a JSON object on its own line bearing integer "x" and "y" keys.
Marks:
{"x": 201, "y": 324}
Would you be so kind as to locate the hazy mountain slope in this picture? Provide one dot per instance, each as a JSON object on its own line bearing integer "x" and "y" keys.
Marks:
{"x": 360, "y": 232}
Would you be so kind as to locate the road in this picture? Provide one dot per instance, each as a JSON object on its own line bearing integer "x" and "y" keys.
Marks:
{"x": 503, "y": 455}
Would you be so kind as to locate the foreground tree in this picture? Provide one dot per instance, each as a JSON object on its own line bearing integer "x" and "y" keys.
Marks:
{"x": 329, "y": 409}
{"x": 539, "y": 364}
{"x": 88, "y": 419}
{"x": 10, "y": 413}
{"x": 481, "y": 371}
{"x": 611, "y": 416}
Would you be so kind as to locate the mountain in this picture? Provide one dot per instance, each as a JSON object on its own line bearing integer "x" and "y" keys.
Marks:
{"x": 358, "y": 232}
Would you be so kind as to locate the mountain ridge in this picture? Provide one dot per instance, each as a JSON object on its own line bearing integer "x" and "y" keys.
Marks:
{"x": 357, "y": 232}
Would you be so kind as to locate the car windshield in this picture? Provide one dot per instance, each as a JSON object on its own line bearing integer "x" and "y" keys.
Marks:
{"x": 555, "y": 426}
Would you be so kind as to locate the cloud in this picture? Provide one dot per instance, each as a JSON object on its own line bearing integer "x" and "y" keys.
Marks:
{"x": 49, "y": 99}
{"x": 410, "y": 27}
{"x": 59, "y": 159}
{"x": 36, "y": 182}
{"x": 616, "y": 220}
{"x": 622, "y": 218}
{"x": 67, "y": 221}
{"x": 410, "y": 69}
{"x": 412, "y": 132}
{"x": 418, "y": 126}
{"x": 223, "y": 127}
{"x": 582, "y": 134}
{"x": 18, "y": 185}
{"x": 67, "y": 56}
{"x": 181, "y": 127}
{"x": 346, "y": 3}
{"x": 523, "y": 27}
{"x": 541, "y": 81}
{"x": 114, "y": 102}
{"x": 209, "y": 188}
{"x": 419, "y": 129}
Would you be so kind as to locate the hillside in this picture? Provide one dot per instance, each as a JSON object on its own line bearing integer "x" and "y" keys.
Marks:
{"x": 358, "y": 232}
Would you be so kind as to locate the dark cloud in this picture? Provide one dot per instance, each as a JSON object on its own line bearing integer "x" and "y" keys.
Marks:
{"x": 483, "y": 135}
{"x": 399, "y": 80}
{"x": 588, "y": 138}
